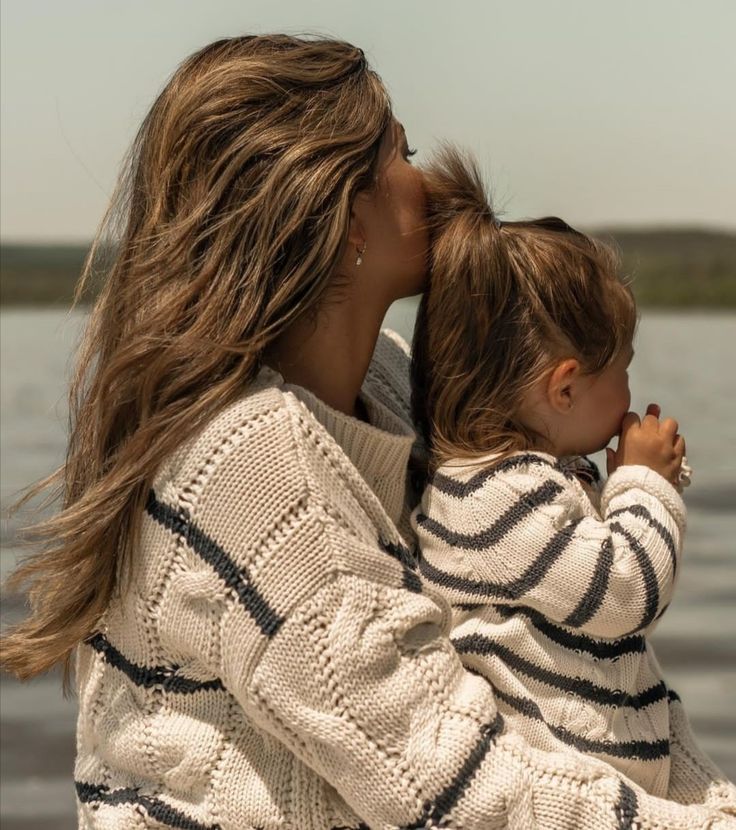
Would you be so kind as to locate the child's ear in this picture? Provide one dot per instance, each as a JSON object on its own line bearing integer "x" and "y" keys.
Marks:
{"x": 562, "y": 385}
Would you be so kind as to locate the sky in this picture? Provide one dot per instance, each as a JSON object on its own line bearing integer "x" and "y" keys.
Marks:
{"x": 607, "y": 114}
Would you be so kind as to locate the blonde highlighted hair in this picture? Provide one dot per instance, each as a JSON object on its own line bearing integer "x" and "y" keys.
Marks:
{"x": 505, "y": 300}
{"x": 229, "y": 222}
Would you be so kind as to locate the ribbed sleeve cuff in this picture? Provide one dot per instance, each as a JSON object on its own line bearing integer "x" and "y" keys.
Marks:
{"x": 635, "y": 476}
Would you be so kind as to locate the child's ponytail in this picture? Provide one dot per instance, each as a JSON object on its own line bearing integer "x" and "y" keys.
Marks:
{"x": 465, "y": 262}
{"x": 505, "y": 299}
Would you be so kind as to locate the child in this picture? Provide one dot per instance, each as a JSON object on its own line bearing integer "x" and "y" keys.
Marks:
{"x": 520, "y": 367}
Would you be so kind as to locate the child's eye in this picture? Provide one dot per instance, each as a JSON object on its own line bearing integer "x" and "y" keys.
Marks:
{"x": 409, "y": 152}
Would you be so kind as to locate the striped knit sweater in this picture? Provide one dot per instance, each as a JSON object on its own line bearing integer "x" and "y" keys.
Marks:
{"x": 274, "y": 659}
{"x": 552, "y": 600}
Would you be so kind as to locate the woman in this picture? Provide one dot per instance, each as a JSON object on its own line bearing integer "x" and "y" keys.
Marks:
{"x": 254, "y": 646}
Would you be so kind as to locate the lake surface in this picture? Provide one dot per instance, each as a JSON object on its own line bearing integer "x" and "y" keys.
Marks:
{"x": 684, "y": 362}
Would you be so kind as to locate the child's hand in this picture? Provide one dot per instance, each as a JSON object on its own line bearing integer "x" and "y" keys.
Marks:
{"x": 653, "y": 443}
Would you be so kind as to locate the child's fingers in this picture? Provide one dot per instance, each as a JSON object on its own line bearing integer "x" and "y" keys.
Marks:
{"x": 650, "y": 421}
{"x": 679, "y": 445}
{"x": 630, "y": 420}
{"x": 651, "y": 417}
{"x": 669, "y": 427}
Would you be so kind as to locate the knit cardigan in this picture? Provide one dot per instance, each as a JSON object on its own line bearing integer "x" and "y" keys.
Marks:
{"x": 552, "y": 599}
{"x": 275, "y": 660}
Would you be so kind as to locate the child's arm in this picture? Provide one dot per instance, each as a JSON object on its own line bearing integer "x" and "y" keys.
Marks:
{"x": 529, "y": 539}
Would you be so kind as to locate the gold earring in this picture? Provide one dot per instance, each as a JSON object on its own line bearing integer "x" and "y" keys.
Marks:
{"x": 359, "y": 259}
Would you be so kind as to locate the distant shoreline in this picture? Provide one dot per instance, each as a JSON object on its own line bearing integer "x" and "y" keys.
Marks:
{"x": 672, "y": 268}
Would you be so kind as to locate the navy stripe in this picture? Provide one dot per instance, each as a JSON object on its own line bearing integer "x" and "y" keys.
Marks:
{"x": 475, "y": 587}
{"x": 593, "y": 597}
{"x": 402, "y": 554}
{"x": 460, "y": 489}
{"x": 600, "y": 649}
{"x": 531, "y": 577}
{"x": 158, "y": 810}
{"x": 641, "y": 512}
{"x": 99, "y": 792}
{"x": 437, "y": 809}
{"x": 148, "y": 676}
{"x": 586, "y": 689}
{"x": 234, "y": 576}
{"x": 673, "y": 696}
{"x": 651, "y": 586}
{"x": 640, "y": 750}
{"x": 527, "y": 503}
{"x": 626, "y": 807}
{"x": 540, "y": 567}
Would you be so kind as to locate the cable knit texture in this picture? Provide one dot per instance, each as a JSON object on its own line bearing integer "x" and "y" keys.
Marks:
{"x": 276, "y": 661}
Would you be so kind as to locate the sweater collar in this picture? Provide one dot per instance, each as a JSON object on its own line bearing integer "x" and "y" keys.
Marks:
{"x": 379, "y": 450}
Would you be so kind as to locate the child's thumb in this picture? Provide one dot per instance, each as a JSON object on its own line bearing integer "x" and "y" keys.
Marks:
{"x": 610, "y": 460}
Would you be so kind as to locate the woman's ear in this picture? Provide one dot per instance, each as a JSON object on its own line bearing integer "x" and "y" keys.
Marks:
{"x": 357, "y": 227}
{"x": 562, "y": 385}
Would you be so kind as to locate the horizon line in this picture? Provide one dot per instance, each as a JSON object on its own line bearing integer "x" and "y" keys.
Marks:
{"x": 651, "y": 227}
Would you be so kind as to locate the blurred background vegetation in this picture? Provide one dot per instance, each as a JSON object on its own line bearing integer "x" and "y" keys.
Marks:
{"x": 669, "y": 268}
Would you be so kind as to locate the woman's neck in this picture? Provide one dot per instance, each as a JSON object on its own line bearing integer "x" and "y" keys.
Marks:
{"x": 330, "y": 355}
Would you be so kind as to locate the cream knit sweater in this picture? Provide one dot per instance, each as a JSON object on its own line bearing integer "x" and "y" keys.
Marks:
{"x": 552, "y": 600}
{"x": 275, "y": 660}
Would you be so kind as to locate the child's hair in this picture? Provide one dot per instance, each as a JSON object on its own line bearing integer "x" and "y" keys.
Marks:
{"x": 506, "y": 300}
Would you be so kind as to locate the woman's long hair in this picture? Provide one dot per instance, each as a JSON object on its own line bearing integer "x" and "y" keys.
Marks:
{"x": 228, "y": 223}
{"x": 505, "y": 300}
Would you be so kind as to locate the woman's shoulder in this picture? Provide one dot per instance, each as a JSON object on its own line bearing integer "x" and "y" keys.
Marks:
{"x": 259, "y": 420}
{"x": 275, "y": 433}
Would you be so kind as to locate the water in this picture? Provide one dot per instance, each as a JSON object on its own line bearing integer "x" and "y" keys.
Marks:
{"x": 683, "y": 361}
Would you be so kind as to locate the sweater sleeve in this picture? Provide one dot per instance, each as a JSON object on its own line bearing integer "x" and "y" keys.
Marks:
{"x": 527, "y": 536}
{"x": 362, "y": 684}
{"x": 328, "y": 641}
